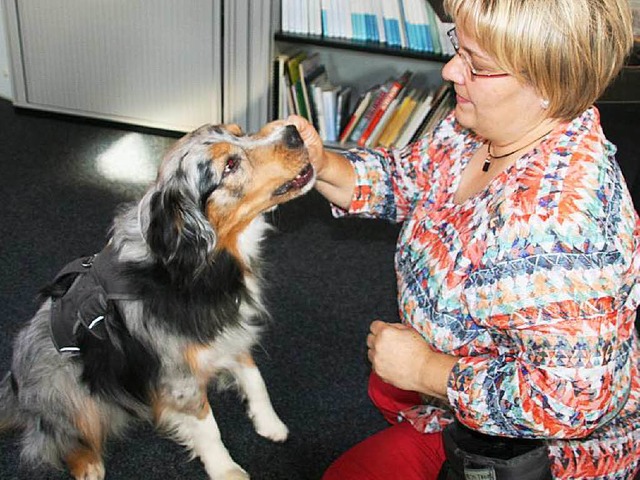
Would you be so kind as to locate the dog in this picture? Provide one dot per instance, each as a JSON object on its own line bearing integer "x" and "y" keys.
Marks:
{"x": 173, "y": 301}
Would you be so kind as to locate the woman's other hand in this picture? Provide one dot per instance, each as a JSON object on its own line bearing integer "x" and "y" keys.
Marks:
{"x": 401, "y": 357}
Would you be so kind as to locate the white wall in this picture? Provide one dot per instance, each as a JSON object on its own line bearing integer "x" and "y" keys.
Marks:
{"x": 5, "y": 76}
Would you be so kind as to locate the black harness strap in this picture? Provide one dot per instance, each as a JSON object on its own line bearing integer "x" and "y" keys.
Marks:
{"x": 88, "y": 286}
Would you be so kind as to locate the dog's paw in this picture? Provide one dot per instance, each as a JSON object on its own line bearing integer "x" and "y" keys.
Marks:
{"x": 235, "y": 474}
{"x": 92, "y": 471}
{"x": 271, "y": 427}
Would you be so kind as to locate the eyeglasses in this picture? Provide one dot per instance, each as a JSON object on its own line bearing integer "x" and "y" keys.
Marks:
{"x": 453, "y": 37}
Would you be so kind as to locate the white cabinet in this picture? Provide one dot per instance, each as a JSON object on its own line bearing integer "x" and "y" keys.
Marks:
{"x": 158, "y": 63}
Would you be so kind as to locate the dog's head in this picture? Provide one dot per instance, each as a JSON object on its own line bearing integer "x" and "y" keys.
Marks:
{"x": 214, "y": 182}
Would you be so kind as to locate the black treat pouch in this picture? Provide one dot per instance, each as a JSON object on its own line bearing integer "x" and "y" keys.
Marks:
{"x": 472, "y": 455}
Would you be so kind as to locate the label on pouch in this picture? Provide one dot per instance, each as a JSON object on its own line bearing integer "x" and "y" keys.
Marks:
{"x": 479, "y": 473}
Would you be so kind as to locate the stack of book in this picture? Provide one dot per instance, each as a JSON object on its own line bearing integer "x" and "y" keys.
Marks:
{"x": 396, "y": 113}
{"x": 410, "y": 24}
{"x": 390, "y": 114}
{"x": 302, "y": 87}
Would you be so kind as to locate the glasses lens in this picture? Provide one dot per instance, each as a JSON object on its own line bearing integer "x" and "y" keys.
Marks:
{"x": 453, "y": 38}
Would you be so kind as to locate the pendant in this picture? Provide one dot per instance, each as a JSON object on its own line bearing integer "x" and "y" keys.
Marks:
{"x": 486, "y": 164}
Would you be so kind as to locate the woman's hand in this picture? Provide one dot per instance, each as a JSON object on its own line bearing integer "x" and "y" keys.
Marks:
{"x": 312, "y": 141}
{"x": 401, "y": 357}
{"x": 334, "y": 173}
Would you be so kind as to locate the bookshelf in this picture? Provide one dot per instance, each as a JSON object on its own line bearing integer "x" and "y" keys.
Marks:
{"x": 358, "y": 64}
{"x": 357, "y": 46}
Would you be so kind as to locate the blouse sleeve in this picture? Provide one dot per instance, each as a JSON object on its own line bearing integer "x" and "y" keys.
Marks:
{"x": 388, "y": 181}
{"x": 560, "y": 311}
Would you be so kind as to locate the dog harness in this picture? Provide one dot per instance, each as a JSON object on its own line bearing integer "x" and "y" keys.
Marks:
{"x": 85, "y": 290}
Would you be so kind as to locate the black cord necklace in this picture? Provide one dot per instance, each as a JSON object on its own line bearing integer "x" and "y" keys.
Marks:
{"x": 490, "y": 157}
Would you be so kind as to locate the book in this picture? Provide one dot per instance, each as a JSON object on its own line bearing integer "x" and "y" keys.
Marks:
{"x": 439, "y": 110}
{"x": 343, "y": 102}
{"x": 324, "y": 17}
{"x": 358, "y": 19}
{"x": 310, "y": 70}
{"x": 280, "y": 107}
{"x": 409, "y": 25}
{"x": 293, "y": 71}
{"x": 315, "y": 17}
{"x": 442, "y": 29}
{"x": 423, "y": 106}
{"x": 434, "y": 29}
{"x": 372, "y": 141}
{"x": 371, "y": 21}
{"x": 361, "y": 105}
{"x": 392, "y": 23}
{"x": 377, "y": 8}
{"x": 378, "y": 96}
{"x": 329, "y": 101}
{"x": 395, "y": 88}
{"x": 403, "y": 112}
{"x": 321, "y": 127}
{"x": 286, "y": 15}
{"x": 424, "y": 25}
{"x": 324, "y": 113}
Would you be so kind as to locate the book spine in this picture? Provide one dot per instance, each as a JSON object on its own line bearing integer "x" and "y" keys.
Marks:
{"x": 372, "y": 141}
{"x": 355, "y": 117}
{"x": 395, "y": 88}
{"x": 324, "y": 17}
{"x": 368, "y": 114}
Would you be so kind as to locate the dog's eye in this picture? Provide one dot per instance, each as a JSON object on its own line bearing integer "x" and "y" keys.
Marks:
{"x": 232, "y": 164}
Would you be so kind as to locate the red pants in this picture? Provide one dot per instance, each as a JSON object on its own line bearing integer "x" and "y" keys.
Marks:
{"x": 398, "y": 452}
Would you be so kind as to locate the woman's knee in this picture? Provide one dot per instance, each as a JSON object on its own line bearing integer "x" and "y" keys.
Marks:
{"x": 389, "y": 399}
{"x": 399, "y": 451}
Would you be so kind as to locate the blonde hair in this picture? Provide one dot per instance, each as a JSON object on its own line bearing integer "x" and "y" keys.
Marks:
{"x": 568, "y": 50}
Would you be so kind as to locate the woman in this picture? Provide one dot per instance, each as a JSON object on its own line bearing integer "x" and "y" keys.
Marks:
{"x": 519, "y": 257}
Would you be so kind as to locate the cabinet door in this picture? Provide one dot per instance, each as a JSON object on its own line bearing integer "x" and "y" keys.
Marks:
{"x": 149, "y": 62}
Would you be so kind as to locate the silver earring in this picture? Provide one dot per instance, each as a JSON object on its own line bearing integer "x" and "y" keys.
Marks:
{"x": 544, "y": 103}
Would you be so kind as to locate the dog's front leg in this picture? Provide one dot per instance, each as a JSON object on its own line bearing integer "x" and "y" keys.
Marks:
{"x": 259, "y": 407}
{"x": 197, "y": 429}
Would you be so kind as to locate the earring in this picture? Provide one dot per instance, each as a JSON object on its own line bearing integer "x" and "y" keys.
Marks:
{"x": 544, "y": 103}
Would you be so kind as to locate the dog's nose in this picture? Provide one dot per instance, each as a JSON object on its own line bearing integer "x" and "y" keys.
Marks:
{"x": 292, "y": 138}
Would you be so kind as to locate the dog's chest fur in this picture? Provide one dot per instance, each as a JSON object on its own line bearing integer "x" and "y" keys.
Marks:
{"x": 201, "y": 327}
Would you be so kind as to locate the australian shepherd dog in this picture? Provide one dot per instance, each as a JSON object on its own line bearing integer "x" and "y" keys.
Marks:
{"x": 140, "y": 329}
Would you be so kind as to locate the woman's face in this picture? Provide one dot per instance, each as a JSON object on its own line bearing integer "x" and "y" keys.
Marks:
{"x": 498, "y": 108}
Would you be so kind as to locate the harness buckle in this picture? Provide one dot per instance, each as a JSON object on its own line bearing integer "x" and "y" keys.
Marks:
{"x": 87, "y": 262}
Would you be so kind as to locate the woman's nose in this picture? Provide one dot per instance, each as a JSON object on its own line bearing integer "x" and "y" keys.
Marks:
{"x": 453, "y": 70}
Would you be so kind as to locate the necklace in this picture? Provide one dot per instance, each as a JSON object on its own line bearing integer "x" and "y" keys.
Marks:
{"x": 491, "y": 157}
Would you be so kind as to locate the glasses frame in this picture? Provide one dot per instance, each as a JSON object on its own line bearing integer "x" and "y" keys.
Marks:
{"x": 453, "y": 38}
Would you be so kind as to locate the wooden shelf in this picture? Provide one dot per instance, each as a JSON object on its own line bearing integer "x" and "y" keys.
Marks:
{"x": 359, "y": 46}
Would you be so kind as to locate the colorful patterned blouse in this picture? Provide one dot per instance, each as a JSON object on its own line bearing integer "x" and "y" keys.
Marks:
{"x": 533, "y": 282}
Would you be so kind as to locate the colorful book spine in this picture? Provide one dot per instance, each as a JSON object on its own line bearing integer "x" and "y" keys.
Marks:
{"x": 392, "y": 93}
{"x": 376, "y": 101}
{"x": 361, "y": 106}
{"x": 293, "y": 69}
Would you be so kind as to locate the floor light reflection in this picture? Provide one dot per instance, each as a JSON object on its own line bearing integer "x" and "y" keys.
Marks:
{"x": 128, "y": 160}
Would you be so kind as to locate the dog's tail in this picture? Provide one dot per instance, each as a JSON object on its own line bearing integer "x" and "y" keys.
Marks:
{"x": 9, "y": 417}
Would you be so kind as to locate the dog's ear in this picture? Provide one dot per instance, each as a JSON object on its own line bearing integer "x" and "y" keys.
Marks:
{"x": 234, "y": 129}
{"x": 179, "y": 235}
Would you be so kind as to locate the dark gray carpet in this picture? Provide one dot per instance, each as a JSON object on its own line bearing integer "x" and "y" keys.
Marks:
{"x": 327, "y": 279}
